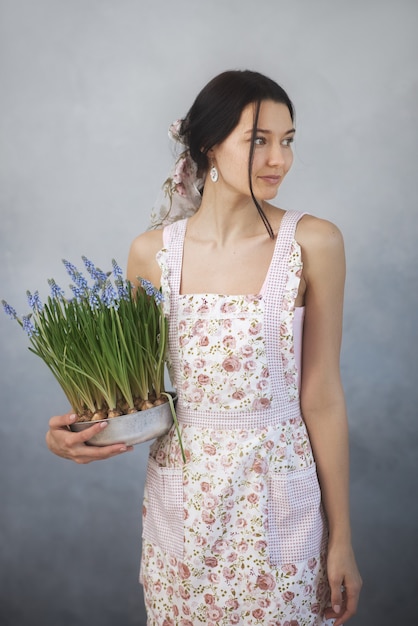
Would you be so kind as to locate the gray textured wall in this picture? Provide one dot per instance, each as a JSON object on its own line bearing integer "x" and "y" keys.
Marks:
{"x": 87, "y": 89}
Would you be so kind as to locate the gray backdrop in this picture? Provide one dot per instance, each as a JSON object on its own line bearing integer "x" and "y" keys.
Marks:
{"x": 87, "y": 90}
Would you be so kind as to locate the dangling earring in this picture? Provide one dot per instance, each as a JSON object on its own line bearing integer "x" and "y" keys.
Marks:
{"x": 214, "y": 174}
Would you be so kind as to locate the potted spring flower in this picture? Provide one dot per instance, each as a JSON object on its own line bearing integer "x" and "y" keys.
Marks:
{"x": 106, "y": 347}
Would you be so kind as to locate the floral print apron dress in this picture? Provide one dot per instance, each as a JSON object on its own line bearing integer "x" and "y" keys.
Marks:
{"x": 236, "y": 535}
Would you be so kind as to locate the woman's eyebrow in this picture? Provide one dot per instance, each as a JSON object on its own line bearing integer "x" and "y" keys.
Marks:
{"x": 268, "y": 132}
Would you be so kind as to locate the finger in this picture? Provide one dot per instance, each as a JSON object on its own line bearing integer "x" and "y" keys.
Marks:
{"x": 337, "y": 597}
{"x": 78, "y": 442}
{"x": 331, "y": 614}
{"x": 83, "y": 436}
{"x": 349, "y": 609}
{"x": 85, "y": 454}
{"x": 59, "y": 421}
{"x": 93, "y": 429}
{"x": 343, "y": 618}
{"x": 350, "y": 602}
{"x": 72, "y": 448}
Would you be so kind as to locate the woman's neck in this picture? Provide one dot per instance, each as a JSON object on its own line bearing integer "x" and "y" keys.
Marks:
{"x": 225, "y": 217}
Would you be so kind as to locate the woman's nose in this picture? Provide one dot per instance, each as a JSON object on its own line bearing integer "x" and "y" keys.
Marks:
{"x": 276, "y": 155}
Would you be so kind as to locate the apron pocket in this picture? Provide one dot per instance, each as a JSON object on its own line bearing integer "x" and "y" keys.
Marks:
{"x": 295, "y": 517}
{"x": 163, "y": 513}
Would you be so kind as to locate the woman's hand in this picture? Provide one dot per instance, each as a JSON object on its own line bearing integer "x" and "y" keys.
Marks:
{"x": 70, "y": 445}
{"x": 345, "y": 584}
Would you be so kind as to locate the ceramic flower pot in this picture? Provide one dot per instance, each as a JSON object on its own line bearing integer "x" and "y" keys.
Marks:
{"x": 133, "y": 428}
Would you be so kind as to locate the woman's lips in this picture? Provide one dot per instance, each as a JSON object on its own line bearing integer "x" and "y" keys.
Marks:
{"x": 271, "y": 180}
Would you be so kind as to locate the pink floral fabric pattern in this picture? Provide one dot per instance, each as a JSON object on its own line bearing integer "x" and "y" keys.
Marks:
{"x": 226, "y": 571}
{"x": 224, "y": 365}
{"x": 286, "y": 321}
{"x": 244, "y": 538}
{"x": 208, "y": 308}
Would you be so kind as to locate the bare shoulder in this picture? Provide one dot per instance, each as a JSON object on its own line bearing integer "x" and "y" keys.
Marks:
{"x": 323, "y": 254}
{"x": 314, "y": 233}
{"x": 142, "y": 256}
{"x": 146, "y": 243}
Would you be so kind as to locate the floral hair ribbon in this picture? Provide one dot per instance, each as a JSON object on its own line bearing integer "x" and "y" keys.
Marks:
{"x": 180, "y": 194}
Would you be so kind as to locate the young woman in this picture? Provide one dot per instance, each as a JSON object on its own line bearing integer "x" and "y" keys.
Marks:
{"x": 254, "y": 527}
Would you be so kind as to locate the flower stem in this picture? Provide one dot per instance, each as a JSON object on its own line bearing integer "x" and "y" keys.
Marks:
{"x": 176, "y": 423}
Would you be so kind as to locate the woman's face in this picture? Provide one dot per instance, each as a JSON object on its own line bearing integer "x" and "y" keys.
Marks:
{"x": 273, "y": 155}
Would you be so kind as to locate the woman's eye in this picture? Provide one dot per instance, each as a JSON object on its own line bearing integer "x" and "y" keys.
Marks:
{"x": 287, "y": 142}
{"x": 260, "y": 141}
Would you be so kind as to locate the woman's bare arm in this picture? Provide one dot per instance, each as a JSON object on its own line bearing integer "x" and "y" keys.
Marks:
{"x": 323, "y": 402}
